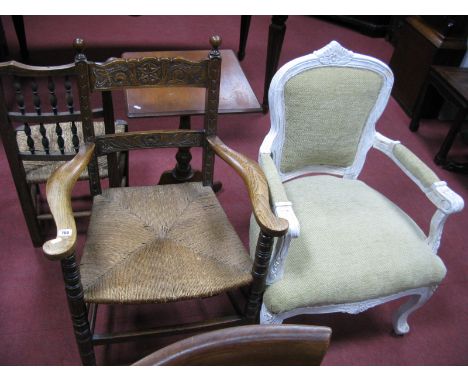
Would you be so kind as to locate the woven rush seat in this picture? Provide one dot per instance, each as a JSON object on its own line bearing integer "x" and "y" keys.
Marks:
{"x": 40, "y": 171}
{"x": 160, "y": 244}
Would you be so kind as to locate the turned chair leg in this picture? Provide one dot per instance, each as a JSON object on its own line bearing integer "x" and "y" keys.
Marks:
{"x": 259, "y": 273}
{"x": 78, "y": 311}
{"x": 441, "y": 157}
{"x": 400, "y": 318}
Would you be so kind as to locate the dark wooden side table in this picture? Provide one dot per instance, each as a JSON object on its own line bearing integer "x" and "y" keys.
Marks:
{"x": 419, "y": 46}
{"x": 236, "y": 96}
{"x": 276, "y": 33}
{"x": 452, "y": 84}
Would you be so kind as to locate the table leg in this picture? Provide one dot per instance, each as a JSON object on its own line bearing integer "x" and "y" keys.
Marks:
{"x": 18, "y": 22}
{"x": 183, "y": 172}
{"x": 441, "y": 156}
{"x": 276, "y": 34}
{"x": 244, "y": 33}
{"x": 414, "y": 125}
{"x": 3, "y": 43}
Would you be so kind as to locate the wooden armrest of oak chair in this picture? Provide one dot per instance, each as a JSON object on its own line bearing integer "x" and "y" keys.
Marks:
{"x": 257, "y": 186}
{"x": 60, "y": 185}
{"x": 59, "y": 188}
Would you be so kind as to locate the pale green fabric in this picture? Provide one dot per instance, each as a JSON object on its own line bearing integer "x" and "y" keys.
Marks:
{"x": 277, "y": 192}
{"x": 415, "y": 165}
{"x": 354, "y": 245}
{"x": 326, "y": 110}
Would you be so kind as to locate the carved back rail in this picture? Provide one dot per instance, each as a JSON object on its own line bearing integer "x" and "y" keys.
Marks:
{"x": 119, "y": 73}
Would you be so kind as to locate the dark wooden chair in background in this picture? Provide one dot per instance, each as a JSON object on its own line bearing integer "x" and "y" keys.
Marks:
{"x": 161, "y": 243}
{"x": 451, "y": 83}
{"x": 41, "y": 128}
{"x": 250, "y": 345}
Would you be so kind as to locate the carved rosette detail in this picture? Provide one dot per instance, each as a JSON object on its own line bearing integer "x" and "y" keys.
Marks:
{"x": 150, "y": 71}
{"x": 334, "y": 54}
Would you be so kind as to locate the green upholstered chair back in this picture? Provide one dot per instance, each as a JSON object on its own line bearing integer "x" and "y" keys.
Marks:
{"x": 323, "y": 110}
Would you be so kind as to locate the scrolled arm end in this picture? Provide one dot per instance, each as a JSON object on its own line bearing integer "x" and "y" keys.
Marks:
{"x": 285, "y": 211}
{"x": 445, "y": 198}
{"x": 59, "y": 248}
{"x": 58, "y": 190}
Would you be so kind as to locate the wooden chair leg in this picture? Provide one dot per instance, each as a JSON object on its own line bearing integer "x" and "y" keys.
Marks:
{"x": 414, "y": 125}
{"x": 400, "y": 318}
{"x": 78, "y": 311}
{"x": 28, "y": 206}
{"x": 259, "y": 273}
{"x": 441, "y": 156}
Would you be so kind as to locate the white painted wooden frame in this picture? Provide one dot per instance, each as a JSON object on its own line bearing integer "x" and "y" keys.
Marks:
{"x": 446, "y": 201}
{"x": 331, "y": 55}
{"x": 418, "y": 298}
{"x": 444, "y": 198}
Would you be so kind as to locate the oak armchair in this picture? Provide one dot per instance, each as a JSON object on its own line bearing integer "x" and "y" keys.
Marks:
{"x": 41, "y": 128}
{"x": 348, "y": 247}
{"x": 159, "y": 243}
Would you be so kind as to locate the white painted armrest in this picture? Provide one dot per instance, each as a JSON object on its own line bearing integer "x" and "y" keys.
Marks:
{"x": 282, "y": 208}
{"x": 437, "y": 191}
{"x": 285, "y": 211}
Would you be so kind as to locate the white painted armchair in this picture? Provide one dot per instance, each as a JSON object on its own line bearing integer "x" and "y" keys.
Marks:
{"x": 348, "y": 247}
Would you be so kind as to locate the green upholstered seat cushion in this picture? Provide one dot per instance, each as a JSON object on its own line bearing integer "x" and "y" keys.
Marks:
{"x": 354, "y": 245}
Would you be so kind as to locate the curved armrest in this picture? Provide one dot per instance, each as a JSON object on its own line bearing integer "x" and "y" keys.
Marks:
{"x": 59, "y": 188}
{"x": 257, "y": 186}
{"x": 437, "y": 191}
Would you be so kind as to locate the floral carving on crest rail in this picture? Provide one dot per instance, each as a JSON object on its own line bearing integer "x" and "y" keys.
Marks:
{"x": 334, "y": 54}
{"x": 148, "y": 71}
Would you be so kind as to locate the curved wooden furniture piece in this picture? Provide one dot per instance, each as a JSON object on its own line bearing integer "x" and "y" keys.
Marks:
{"x": 59, "y": 189}
{"x": 251, "y": 345}
{"x": 257, "y": 185}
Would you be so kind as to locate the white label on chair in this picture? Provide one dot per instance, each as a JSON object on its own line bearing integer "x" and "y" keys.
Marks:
{"x": 66, "y": 232}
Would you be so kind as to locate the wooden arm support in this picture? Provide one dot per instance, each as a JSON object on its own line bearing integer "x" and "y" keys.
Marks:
{"x": 59, "y": 188}
{"x": 257, "y": 185}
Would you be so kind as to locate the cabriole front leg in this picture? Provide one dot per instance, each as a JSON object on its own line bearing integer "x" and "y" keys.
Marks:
{"x": 400, "y": 317}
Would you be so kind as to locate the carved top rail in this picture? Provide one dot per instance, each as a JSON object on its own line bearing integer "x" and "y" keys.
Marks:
{"x": 148, "y": 71}
{"x": 110, "y": 143}
{"x": 22, "y": 70}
